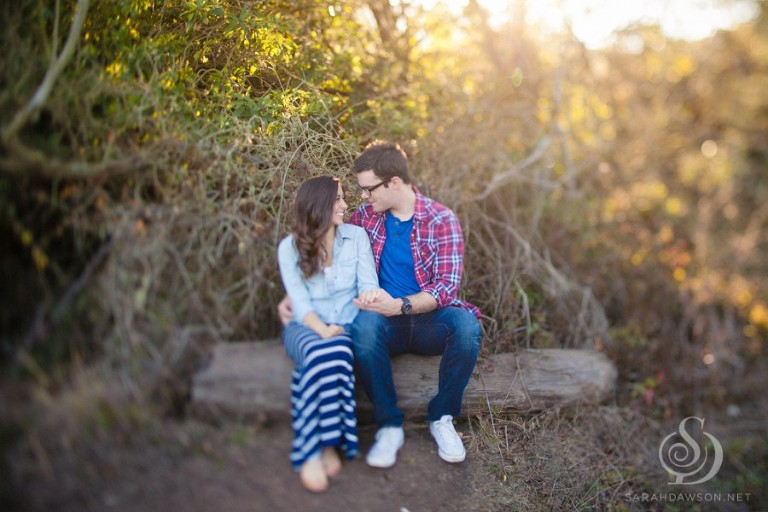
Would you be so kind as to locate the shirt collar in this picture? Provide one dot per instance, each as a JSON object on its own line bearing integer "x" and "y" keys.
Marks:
{"x": 420, "y": 208}
{"x": 342, "y": 232}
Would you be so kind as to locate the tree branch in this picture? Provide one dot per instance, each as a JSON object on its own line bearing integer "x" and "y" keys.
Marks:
{"x": 505, "y": 177}
{"x": 23, "y": 160}
{"x": 57, "y": 66}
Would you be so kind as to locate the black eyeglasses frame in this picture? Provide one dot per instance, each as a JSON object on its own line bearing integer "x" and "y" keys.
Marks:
{"x": 370, "y": 189}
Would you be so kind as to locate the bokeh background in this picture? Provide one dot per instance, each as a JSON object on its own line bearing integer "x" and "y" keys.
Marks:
{"x": 608, "y": 162}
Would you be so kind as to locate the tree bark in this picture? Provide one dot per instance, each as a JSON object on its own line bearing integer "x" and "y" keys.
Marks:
{"x": 251, "y": 380}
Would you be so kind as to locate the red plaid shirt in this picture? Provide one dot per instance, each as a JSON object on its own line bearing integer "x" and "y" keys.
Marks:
{"x": 437, "y": 246}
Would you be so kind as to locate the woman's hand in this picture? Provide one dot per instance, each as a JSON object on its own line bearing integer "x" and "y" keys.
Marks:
{"x": 329, "y": 331}
{"x": 384, "y": 304}
{"x": 370, "y": 296}
{"x": 323, "y": 329}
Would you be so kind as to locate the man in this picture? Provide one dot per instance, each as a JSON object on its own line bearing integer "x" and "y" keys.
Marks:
{"x": 419, "y": 250}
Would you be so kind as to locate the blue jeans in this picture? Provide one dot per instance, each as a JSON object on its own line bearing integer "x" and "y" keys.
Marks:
{"x": 452, "y": 332}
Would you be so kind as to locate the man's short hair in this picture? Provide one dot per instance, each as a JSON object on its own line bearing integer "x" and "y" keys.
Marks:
{"x": 386, "y": 160}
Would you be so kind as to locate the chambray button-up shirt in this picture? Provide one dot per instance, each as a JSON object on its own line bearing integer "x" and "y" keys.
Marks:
{"x": 329, "y": 293}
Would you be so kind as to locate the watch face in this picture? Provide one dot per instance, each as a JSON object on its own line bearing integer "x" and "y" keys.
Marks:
{"x": 406, "y": 307}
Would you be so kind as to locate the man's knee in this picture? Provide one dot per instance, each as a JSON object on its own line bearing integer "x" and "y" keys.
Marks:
{"x": 467, "y": 331}
{"x": 367, "y": 330}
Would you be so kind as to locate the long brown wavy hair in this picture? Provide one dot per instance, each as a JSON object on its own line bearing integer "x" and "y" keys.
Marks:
{"x": 312, "y": 218}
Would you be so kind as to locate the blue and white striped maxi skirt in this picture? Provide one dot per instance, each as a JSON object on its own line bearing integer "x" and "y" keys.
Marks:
{"x": 322, "y": 393}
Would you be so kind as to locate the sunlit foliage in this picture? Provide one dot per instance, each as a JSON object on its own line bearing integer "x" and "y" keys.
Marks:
{"x": 613, "y": 199}
{"x": 620, "y": 187}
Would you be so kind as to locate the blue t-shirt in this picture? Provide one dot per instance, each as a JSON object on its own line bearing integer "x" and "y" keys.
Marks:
{"x": 396, "y": 270}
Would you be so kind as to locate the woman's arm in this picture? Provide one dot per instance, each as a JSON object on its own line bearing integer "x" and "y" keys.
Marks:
{"x": 293, "y": 281}
{"x": 324, "y": 330}
{"x": 298, "y": 293}
{"x": 366, "y": 268}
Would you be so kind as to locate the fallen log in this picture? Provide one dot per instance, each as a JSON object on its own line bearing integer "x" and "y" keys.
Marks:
{"x": 250, "y": 380}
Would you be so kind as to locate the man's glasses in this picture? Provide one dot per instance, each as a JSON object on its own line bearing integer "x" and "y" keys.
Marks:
{"x": 369, "y": 190}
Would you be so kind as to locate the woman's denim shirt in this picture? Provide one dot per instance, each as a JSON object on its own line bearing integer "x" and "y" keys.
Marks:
{"x": 329, "y": 293}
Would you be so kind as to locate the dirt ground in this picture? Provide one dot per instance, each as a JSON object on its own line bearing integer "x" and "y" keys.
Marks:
{"x": 196, "y": 467}
{"x": 587, "y": 458}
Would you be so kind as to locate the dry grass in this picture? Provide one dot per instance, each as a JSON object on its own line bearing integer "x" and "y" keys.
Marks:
{"x": 203, "y": 261}
{"x": 583, "y": 459}
{"x": 515, "y": 212}
{"x": 603, "y": 458}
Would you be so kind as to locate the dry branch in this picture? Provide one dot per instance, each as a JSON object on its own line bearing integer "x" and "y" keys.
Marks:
{"x": 55, "y": 69}
{"x": 505, "y": 177}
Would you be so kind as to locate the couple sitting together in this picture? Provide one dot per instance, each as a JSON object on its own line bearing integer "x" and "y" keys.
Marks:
{"x": 361, "y": 292}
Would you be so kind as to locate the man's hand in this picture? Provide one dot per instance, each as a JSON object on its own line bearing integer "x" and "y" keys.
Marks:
{"x": 285, "y": 311}
{"x": 370, "y": 296}
{"x": 383, "y": 304}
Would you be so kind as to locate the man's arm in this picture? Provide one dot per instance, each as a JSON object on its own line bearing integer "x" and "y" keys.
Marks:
{"x": 422, "y": 302}
{"x": 448, "y": 264}
{"x": 387, "y": 305}
{"x": 446, "y": 274}
{"x": 285, "y": 311}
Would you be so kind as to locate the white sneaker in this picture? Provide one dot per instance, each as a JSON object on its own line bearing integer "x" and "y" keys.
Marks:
{"x": 383, "y": 453}
{"x": 449, "y": 445}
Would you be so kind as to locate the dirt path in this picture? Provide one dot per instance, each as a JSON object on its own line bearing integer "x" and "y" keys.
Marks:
{"x": 195, "y": 467}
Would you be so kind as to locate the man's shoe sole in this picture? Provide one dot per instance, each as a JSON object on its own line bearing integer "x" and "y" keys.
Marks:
{"x": 380, "y": 465}
{"x": 386, "y": 464}
{"x": 452, "y": 458}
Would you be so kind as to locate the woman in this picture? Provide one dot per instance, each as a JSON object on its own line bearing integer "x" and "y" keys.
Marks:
{"x": 324, "y": 264}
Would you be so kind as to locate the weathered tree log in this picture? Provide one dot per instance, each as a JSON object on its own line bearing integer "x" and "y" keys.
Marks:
{"x": 250, "y": 380}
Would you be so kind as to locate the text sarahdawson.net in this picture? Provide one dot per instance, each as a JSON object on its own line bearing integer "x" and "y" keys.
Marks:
{"x": 716, "y": 497}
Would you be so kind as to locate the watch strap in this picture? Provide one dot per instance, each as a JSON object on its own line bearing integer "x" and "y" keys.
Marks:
{"x": 406, "y": 308}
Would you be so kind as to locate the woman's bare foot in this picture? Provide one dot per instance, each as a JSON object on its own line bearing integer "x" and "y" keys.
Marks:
{"x": 312, "y": 475}
{"x": 331, "y": 461}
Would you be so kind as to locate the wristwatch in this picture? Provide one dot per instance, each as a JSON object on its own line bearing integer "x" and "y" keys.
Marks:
{"x": 406, "y": 308}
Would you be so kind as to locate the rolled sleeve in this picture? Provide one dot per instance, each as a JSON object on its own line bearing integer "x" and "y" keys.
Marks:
{"x": 293, "y": 281}
{"x": 448, "y": 263}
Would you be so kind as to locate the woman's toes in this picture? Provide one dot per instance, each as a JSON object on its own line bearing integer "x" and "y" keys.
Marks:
{"x": 331, "y": 461}
{"x": 312, "y": 475}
